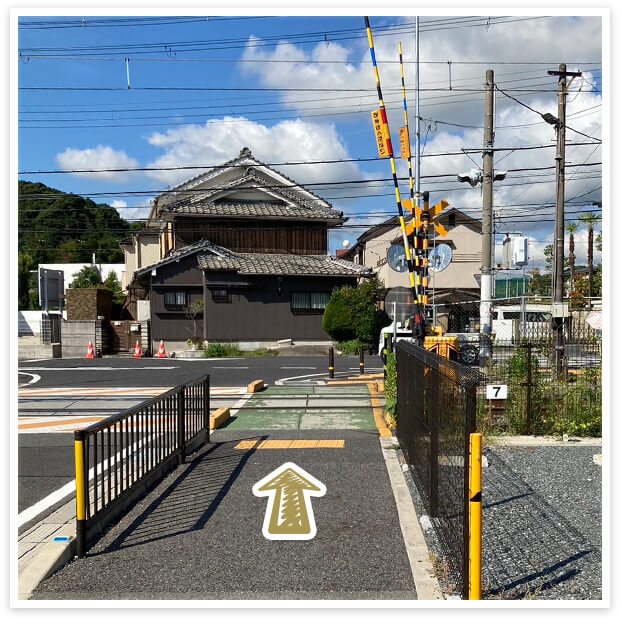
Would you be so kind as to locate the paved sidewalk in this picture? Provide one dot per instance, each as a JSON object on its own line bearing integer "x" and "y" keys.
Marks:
{"x": 198, "y": 535}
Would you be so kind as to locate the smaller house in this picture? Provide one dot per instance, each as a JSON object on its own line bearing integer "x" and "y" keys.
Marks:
{"x": 252, "y": 299}
{"x": 459, "y": 281}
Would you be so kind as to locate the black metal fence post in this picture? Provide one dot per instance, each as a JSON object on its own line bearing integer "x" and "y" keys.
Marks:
{"x": 331, "y": 362}
{"x": 431, "y": 385}
{"x": 528, "y": 392}
{"x": 181, "y": 425}
{"x": 362, "y": 361}
{"x": 206, "y": 386}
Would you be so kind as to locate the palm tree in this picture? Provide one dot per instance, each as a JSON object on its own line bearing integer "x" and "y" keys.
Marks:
{"x": 571, "y": 227}
{"x": 590, "y": 219}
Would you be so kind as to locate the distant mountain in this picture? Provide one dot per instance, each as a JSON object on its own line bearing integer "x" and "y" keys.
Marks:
{"x": 55, "y": 227}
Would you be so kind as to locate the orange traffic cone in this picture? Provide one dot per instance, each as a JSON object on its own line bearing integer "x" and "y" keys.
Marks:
{"x": 162, "y": 350}
{"x": 90, "y": 354}
{"x": 137, "y": 352}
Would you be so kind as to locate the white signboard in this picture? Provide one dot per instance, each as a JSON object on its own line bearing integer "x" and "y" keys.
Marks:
{"x": 497, "y": 392}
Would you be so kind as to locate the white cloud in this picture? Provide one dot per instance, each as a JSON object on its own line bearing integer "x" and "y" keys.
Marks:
{"x": 521, "y": 197}
{"x": 137, "y": 212}
{"x": 97, "y": 158}
{"x": 288, "y": 141}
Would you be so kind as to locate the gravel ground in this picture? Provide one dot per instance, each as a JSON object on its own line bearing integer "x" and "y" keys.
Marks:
{"x": 542, "y": 521}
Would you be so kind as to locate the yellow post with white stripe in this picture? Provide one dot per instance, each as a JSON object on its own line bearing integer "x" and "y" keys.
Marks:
{"x": 475, "y": 517}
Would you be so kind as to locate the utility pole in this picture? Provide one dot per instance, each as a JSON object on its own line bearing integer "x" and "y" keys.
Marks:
{"x": 557, "y": 323}
{"x": 486, "y": 278}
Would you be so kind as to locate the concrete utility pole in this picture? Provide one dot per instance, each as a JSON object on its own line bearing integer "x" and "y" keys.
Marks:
{"x": 486, "y": 279}
{"x": 558, "y": 247}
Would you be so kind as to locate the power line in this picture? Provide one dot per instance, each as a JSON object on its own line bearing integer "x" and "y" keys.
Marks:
{"x": 274, "y": 40}
{"x": 275, "y": 164}
{"x": 542, "y": 115}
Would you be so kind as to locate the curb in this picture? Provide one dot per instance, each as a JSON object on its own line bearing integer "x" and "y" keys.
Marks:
{"x": 47, "y": 557}
{"x": 426, "y": 583}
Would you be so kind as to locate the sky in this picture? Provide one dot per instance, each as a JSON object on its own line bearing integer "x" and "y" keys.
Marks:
{"x": 129, "y": 99}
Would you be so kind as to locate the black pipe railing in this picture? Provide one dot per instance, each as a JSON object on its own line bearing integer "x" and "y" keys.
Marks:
{"x": 120, "y": 457}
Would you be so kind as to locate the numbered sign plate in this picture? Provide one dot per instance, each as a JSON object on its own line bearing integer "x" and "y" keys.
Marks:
{"x": 497, "y": 392}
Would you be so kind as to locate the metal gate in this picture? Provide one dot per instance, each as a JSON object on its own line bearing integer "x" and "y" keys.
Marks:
{"x": 119, "y": 336}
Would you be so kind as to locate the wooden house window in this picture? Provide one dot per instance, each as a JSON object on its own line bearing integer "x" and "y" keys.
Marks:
{"x": 174, "y": 300}
{"x": 220, "y": 295}
{"x": 309, "y": 303}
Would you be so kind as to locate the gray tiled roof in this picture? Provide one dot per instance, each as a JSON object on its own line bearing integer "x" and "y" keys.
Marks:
{"x": 203, "y": 244}
{"x": 297, "y": 202}
{"x": 280, "y": 264}
{"x": 279, "y": 210}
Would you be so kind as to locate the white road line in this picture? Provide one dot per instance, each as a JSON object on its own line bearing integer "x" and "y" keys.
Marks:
{"x": 34, "y": 379}
{"x": 45, "y": 503}
{"x": 232, "y": 367}
{"x": 239, "y": 404}
{"x": 40, "y": 368}
{"x": 67, "y": 489}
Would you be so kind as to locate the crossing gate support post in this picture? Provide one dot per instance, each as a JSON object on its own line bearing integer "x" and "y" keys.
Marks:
{"x": 475, "y": 517}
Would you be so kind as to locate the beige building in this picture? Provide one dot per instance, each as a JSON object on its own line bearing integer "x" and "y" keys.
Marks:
{"x": 141, "y": 249}
{"x": 459, "y": 281}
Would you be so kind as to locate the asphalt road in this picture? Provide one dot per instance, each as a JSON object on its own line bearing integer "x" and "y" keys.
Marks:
{"x": 148, "y": 372}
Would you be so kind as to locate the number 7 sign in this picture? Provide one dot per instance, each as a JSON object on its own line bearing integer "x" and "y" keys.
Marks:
{"x": 497, "y": 392}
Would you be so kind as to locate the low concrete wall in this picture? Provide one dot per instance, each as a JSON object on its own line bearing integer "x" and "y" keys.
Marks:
{"x": 77, "y": 334}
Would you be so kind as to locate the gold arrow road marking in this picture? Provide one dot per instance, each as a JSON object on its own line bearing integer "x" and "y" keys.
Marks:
{"x": 289, "y": 513}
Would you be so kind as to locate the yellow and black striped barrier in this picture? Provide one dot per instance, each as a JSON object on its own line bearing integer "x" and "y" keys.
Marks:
{"x": 419, "y": 327}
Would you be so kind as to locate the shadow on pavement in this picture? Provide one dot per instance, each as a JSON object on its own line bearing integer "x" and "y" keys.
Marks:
{"x": 188, "y": 503}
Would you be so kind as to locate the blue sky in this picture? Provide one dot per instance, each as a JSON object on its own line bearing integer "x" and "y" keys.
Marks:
{"x": 300, "y": 89}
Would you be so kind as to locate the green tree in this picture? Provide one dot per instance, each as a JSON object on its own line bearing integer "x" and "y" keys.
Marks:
{"x": 590, "y": 220}
{"x": 87, "y": 277}
{"x": 25, "y": 265}
{"x": 57, "y": 227}
{"x": 571, "y": 228}
{"x": 540, "y": 283}
{"x": 352, "y": 313}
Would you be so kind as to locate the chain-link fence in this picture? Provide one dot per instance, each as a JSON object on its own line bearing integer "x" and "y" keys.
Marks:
{"x": 554, "y": 384}
{"x": 436, "y": 412}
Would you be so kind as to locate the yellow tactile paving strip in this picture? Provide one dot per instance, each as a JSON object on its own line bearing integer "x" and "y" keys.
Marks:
{"x": 288, "y": 444}
{"x": 377, "y": 411}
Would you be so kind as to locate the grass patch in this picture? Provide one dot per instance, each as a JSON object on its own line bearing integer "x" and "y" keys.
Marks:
{"x": 217, "y": 349}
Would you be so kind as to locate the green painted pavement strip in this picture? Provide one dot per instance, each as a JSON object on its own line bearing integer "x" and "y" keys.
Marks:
{"x": 305, "y": 408}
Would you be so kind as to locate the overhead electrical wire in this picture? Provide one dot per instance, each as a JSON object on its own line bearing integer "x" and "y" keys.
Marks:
{"x": 274, "y": 40}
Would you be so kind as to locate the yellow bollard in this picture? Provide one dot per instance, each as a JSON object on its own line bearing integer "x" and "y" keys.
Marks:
{"x": 475, "y": 517}
{"x": 80, "y": 496}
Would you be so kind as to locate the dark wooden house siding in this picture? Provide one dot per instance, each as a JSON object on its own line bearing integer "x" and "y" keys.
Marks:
{"x": 259, "y": 307}
{"x": 268, "y": 237}
{"x": 256, "y": 308}
{"x": 173, "y": 324}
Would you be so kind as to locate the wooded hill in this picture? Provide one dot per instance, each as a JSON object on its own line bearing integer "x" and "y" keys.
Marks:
{"x": 55, "y": 227}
